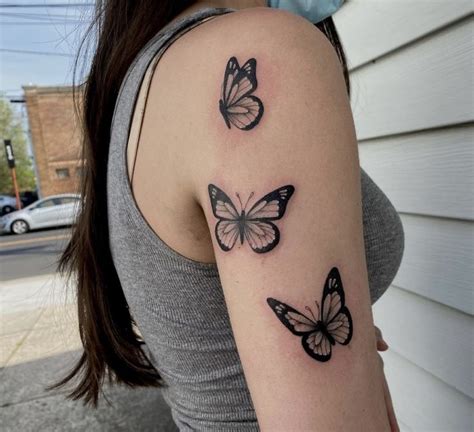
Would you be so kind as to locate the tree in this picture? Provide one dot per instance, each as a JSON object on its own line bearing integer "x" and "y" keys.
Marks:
{"x": 11, "y": 128}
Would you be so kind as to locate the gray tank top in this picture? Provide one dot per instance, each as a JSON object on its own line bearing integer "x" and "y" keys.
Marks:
{"x": 178, "y": 303}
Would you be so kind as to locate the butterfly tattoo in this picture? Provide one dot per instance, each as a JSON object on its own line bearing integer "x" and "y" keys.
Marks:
{"x": 332, "y": 322}
{"x": 237, "y": 105}
{"x": 256, "y": 225}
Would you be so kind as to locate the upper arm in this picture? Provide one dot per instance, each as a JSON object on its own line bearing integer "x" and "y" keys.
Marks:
{"x": 302, "y": 151}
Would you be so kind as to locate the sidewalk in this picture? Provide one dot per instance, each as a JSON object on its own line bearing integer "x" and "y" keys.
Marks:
{"x": 39, "y": 342}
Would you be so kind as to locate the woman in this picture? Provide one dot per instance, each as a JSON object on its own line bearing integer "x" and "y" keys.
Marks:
{"x": 223, "y": 220}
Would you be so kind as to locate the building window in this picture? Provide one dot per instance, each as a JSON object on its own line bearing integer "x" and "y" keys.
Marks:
{"x": 62, "y": 173}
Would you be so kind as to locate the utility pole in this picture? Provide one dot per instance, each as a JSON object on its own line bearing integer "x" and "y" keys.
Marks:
{"x": 11, "y": 165}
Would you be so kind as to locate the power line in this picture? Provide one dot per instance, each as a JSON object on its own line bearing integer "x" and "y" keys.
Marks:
{"x": 2, "y": 23}
{"x": 45, "y": 5}
{"x": 43, "y": 18}
{"x": 46, "y": 53}
{"x": 40, "y": 17}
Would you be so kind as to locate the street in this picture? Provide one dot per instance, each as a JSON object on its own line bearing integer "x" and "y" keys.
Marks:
{"x": 39, "y": 343}
{"x": 31, "y": 254}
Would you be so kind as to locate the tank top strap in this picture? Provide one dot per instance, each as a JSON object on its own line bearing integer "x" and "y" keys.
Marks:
{"x": 158, "y": 45}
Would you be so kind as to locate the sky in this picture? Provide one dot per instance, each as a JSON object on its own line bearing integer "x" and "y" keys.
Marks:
{"x": 39, "y": 40}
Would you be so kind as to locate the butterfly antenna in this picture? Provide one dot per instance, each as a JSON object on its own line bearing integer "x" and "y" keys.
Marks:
{"x": 240, "y": 201}
{"x": 317, "y": 308}
{"x": 311, "y": 312}
{"x": 250, "y": 196}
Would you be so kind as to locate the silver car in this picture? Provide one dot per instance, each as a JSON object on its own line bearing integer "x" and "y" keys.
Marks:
{"x": 55, "y": 210}
{"x": 7, "y": 204}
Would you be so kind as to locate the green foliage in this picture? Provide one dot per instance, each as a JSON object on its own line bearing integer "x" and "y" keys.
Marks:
{"x": 11, "y": 128}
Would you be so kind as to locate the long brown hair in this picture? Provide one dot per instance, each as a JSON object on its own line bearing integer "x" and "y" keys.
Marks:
{"x": 112, "y": 348}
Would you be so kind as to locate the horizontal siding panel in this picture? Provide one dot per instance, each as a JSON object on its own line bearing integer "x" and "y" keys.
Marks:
{"x": 403, "y": 427}
{"x": 438, "y": 261}
{"x": 426, "y": 172}
{"x": 389, "y": 25}
{"x": 429, "y": 334}
{"x": 422, "y": 401}
{"x": 425, "y": 85}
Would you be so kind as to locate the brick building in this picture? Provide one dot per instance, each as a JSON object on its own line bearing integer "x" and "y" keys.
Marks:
{"x": 55, "y": 137}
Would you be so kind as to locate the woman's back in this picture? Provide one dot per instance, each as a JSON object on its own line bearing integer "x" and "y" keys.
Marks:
{"x": 160, "y": 242}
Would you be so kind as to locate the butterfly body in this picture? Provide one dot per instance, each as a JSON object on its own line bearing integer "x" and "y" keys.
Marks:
{"x": 254, "y": 226}
{"x": 237, "y": 104}
{"x": 241, "y": 221}
{"x": 320, "y": 326}
{"x": 332, "y": 322}
{"x": 223, "y": 111}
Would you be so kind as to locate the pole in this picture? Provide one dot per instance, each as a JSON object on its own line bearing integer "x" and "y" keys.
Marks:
{"x": 15, "y": 186}
{"x": 11, "y": 165}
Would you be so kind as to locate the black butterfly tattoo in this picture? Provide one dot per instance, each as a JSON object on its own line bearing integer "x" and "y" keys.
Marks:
{"x": 255, "y": 226}
{"x": 332, "y": 322}
{"x": 237, "y": 105}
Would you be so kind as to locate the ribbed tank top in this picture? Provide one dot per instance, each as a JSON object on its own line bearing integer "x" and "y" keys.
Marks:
{"x": 178, "y": 303}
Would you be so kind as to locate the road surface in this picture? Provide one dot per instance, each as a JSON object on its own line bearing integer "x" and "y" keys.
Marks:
{"x": 31, "y": 254}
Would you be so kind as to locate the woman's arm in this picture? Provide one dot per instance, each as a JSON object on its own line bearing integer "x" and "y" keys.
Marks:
{"x": 280, "y": 188}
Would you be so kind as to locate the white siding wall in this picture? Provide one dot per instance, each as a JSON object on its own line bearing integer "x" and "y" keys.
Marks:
{"x": 412, "y": 73}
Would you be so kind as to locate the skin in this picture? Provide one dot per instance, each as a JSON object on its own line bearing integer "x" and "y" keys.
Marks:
{"x": 178, "y": 158}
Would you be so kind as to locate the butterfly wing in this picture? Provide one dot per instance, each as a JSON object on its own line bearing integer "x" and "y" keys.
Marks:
{"x": 237, "y": 105}
{"x": 262, "y": 236}
{"x": 317, "y": 345}
{"x": 340, "y": 328}
{"x": 272, "y": 206}
{"x": 334, "y": 313}
{"x": 227, "y": 229}
{"x": 222, "y": 206}
{"x": 241, "y": 82}
{"x": 293, "y": 320}
{"x": 227, "y": 233}
{"x": 246, "y": 113}
{"x": 230, "y": 74}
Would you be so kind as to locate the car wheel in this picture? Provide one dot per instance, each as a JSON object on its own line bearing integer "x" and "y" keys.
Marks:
{"x": 7, "y": 209}
{"x": 20, "y": 227}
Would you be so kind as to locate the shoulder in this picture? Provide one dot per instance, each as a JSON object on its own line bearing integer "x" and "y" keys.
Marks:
{"x": 265, "y": 21}
{"x": 264, "y": 25}
{"x": 294, "y": 60}
{"x": 282, "y": 35}
{"x": 300, "y": 84}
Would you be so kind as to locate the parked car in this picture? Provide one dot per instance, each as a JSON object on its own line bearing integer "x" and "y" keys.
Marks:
{"x": 7, "y": 204}
{"x": 28, "y": 197}
{"x": 53, "y": 211}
